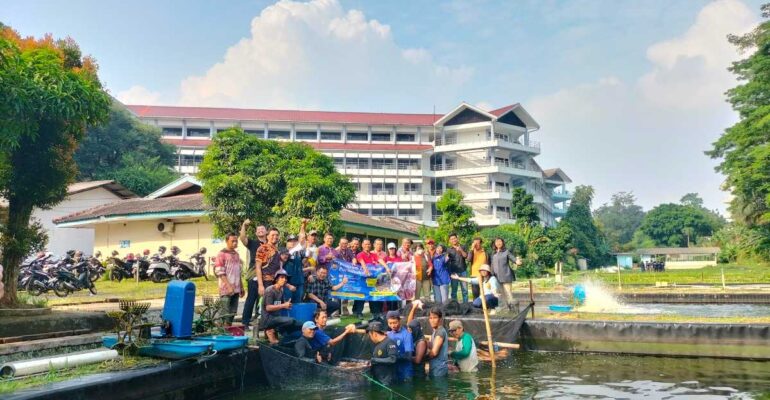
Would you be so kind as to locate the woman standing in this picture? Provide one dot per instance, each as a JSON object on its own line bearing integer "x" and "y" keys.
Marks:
{"x": 503, "y": 264}
{"x": 440, "y": 275}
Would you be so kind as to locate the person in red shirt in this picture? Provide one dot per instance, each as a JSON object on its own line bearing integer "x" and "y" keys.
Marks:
{"x": 365, "y": 257}
{"x": 392, "y": 255}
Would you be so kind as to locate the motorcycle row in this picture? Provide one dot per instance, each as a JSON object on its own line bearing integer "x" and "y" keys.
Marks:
{"x": 74, "y": 272}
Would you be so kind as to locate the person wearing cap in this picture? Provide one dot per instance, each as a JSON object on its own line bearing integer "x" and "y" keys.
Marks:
{"x": 273, "y": 303}
{"x": 491, "y": 286}
{"x": 291, "y": 259}
{"x": 302, "y": 346}
{"x": 311, "y": 250}
{"x": 321, "y": 341}
{"x": 464, "y": 355}
{"x": 392, "y": 254}
{"x": 384, "y": 354}
{"x": 227, "y": 268}
{"x": 403, "y": 340}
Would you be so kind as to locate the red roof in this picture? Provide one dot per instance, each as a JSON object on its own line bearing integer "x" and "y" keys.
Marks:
{"x": 503, "y": 110}
{"x": 321, "y": 146}
{"x": 242, "y": 114}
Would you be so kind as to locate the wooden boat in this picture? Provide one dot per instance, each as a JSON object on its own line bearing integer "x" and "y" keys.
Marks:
{"x": 284, "y": 370}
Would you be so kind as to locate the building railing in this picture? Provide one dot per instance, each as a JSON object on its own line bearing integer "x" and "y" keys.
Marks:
{"x": 486, "y": 138}
{"x": 443, "y": 167}
{"x": 437, "y": 192}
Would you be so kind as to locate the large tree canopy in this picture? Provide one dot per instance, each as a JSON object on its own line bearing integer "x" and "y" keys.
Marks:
{"x": 678, "y": 225}
{"x": 744, "y": 148}
{"x": 270, "y": 182}
{"x": 128, "y": 151}
{"x": 50, "y": 94}
{"x": 619, "y": 219}
{"x": 523, "y": 207}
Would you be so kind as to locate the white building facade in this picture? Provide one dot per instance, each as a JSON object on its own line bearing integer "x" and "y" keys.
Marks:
{"x": 400, "y": 163}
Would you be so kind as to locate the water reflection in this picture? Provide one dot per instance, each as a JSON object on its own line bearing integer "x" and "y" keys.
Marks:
{"x": 573, "y": 376}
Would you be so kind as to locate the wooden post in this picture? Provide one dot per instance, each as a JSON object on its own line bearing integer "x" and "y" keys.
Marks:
{"x": 486, "y": 322}
{"x": 532, "y": 298}
{"x": 724, "y": 287}
{"x": 620, "y": 287}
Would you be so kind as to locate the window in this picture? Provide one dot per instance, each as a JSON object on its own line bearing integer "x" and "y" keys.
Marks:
{"x": 256, "y": 132}
{"x": 380, "y": 137}
{"x": 383, "y": 163}
{"x": 358, "y": 136}
{"x": 408, "y": 164}
{"x": 384, "y": 188}
{"x": 360, "y": 163}
{"x": 307, "y": 135}
{"x": 271, "y": 134}
{"x": 409, "y": 212}
{"x": 411, "y": 188}
{"x": 383, "y": 212}
{"x": 364, "y": 211}
{"x": 172, "y": 131}
{"x": 187, "y": 160}
{"x": 405, "y": 137}
{"x": 331, "y": 135}
{"x": 198, "y": 132}
{"x": 339, "y": 162}
{"x": 357, "y": 185}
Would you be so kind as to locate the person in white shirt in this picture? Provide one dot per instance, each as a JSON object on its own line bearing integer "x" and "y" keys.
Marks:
{"x": 491, "y": 286}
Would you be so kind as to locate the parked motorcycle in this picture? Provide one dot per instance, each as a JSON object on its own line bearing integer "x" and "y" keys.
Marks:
{"x": 142, "y": 264}
{"x": 120, "y": 268}
{"x": 95, "y": 266}
{"x": 195, "y": 268}
{"x": 66, "y": 281}
{"x": 160, "y": 266}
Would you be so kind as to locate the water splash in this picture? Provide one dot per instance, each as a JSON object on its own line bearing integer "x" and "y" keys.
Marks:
{"x": 599, "y": 299}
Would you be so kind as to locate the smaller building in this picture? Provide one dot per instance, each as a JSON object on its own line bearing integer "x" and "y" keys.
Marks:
{"x": 625, "y": 260}
{"x": 176, "y": 215}
{"x": 680, "y": 257}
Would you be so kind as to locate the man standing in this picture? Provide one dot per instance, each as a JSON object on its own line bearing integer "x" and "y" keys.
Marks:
{"x": 327, "y": 253}
{"x": 405, "y": 252}
{"x": 456, "y": 265}
{"x": 364, "y": 258}
{"x": 344, "y": 252}
{"x": 384, "y": 354}
{"x": 251, "y": 245}
{"x": 227, "y": 268}
{"x": 355, "y": 246}
{"x": 293, "y": 266}
{"x": 403, "y": 339}
{"x": 319, "y": 291}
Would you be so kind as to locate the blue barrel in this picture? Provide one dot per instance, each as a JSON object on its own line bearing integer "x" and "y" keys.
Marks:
{"x": 303, "y": 312}
{"x": 179, "y": 307}
{"x": 579, "y": 294}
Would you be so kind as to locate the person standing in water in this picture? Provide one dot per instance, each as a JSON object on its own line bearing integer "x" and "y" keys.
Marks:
{"x": 438, "y": 345}
{"x": 464, "y": 355}
{"x": 384, "y": 354}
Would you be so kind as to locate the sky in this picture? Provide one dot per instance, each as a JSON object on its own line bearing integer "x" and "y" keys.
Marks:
{"x": 629, "y": 94}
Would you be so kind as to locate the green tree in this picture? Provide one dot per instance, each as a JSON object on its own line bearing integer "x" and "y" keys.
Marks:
{"x": 619, "y": 219}
{"x": 586, "y": 236}
{"x": 692, "y": 200}
{"x": 673, "y": 224}
{"x": 268, "y": 181}
{"x": 128, "y": 151}
{"x": 744, "y": 148}
{"x": 50, "y": 94}
{"x": 523, "y": 207}
{"x": 455, "y": 217}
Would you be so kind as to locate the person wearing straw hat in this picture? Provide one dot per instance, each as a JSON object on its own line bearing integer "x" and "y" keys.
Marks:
{"x": 491, "y": 286}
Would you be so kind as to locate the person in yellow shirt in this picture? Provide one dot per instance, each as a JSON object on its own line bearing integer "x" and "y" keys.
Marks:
{"x": 477, "y": 257}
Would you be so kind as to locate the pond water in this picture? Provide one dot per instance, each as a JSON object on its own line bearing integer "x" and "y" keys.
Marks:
{"x": 708, "y": 310}
{"x": 535, "y": 375}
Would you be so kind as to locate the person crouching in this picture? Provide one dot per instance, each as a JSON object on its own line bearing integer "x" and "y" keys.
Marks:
{"x": 271, "y": 320}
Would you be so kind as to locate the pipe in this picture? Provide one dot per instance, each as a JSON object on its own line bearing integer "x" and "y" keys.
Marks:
{"x": 29, "y": 367}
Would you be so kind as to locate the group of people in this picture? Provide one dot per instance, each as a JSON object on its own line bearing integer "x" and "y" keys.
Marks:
{"x": 299, "y": 271}
{"x": 652, "y": 266}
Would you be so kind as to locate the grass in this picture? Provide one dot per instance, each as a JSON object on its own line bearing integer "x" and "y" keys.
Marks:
{"x": 575, "y": 316}
{"x": 128, "y": 290}
{"x": 8, "y": 386}
{"x": 744, "y": 273}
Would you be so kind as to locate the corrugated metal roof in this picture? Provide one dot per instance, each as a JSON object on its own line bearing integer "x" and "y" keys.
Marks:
{"x": 678, "y": 250}
{"x": 321, "y": 145}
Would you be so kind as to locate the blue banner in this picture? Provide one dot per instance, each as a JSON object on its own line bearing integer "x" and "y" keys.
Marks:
{"x": 378, "y": 286}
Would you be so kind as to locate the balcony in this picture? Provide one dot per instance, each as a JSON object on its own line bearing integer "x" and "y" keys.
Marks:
{"x": 450, "y": 144}
{"x": 559, "y": 212}
{"x": 561, "y": 195}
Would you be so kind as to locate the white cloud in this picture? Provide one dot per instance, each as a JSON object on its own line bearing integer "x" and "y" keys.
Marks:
{"x": 649, "y": 135}
{"x": 139, "y": 95}
{"x": 316, "y": 54}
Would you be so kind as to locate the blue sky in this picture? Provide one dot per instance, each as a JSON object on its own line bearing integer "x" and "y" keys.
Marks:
{"x": 628, "y": 93}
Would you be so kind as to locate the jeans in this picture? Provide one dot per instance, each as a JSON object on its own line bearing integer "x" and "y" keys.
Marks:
{"x": 441, "y": 294}
{"x": 296, "y": 296}
{"x": 232, "y": 306}
{"x": 491, "y": 301}
{"x": 463, "y": 287}
{"x": 374, "y": 306}
{"x": 252, "y": 298}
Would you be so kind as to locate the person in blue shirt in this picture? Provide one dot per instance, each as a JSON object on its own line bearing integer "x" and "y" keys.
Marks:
{"x": 291, "y": 259}
{"x": 403, "y": 339}
{"x": 321, "y": 341}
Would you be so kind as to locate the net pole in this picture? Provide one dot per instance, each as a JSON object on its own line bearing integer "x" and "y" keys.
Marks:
{"x": 486, "y": 322}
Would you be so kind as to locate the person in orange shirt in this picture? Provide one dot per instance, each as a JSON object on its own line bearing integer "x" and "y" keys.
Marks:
{"x": 477, "y": 257}
{"x": 421, "y": 273}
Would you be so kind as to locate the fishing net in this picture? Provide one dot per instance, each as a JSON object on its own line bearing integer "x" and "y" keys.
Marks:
{"x": 284, "y": 370}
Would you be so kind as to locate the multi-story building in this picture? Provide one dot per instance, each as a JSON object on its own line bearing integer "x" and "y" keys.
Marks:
{"x": 400, "y": 163}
